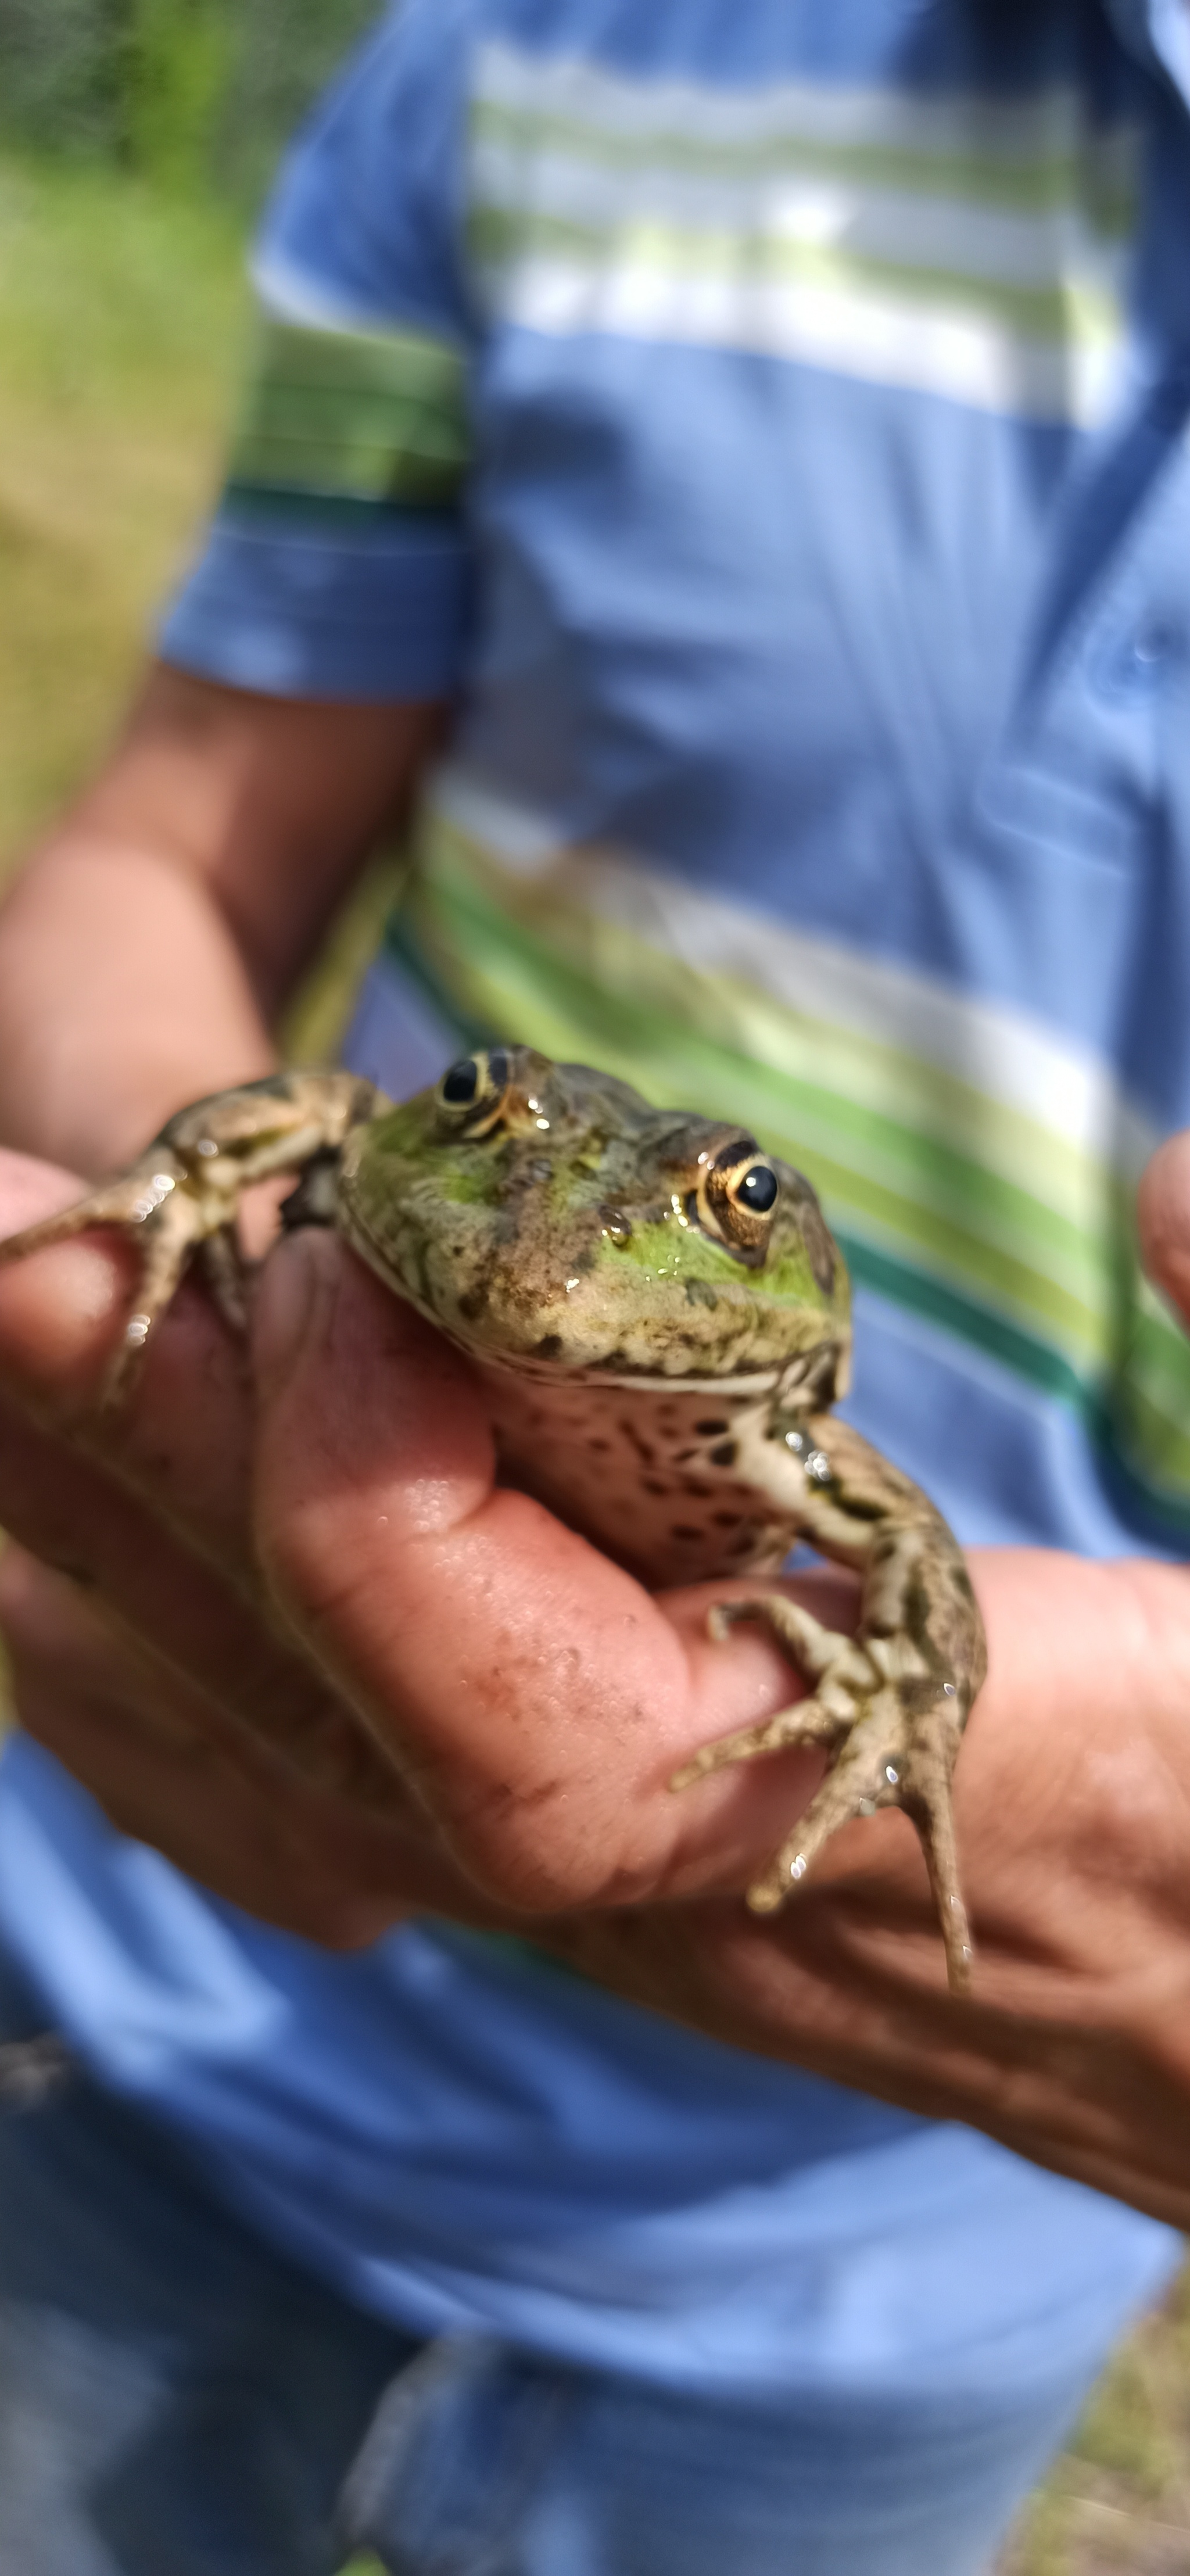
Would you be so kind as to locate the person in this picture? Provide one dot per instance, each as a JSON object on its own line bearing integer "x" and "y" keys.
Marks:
{"x": 722, "y": 471}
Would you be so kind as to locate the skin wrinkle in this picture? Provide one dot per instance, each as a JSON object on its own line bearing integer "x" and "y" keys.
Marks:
{"x": 206, "y": 1740}
{"x": 340, "y": 1846}
{"x": 205, "y": 1623}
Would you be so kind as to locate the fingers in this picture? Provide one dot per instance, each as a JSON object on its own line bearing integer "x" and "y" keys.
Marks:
{"x": 182, "y": 1436}
{"x": 69, "y": 1514}
{"x": 170, "y": 1768}
{"x": 107, "y": 1498}
{"x": 1163, "y": 1219}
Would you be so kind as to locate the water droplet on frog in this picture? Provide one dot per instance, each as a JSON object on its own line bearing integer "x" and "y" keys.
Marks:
{"x": 891, "y": 1774}
{"x": 797, "y": 1868}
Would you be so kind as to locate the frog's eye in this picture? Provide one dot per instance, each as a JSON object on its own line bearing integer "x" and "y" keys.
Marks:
{"x": 474, "y": 1089}
{"x": 736, "y": 1197}
{"x": 756, "y": 1189}
{"x": 461, "y": 1085}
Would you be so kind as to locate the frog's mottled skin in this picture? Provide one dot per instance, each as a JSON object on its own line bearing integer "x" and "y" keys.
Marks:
{"x": 660, "y": 1320}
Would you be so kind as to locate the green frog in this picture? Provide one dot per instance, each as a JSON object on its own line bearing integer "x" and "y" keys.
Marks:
{"x": 659, "y": 1322}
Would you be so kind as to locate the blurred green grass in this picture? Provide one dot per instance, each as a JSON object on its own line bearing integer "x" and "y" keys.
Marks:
{"x": 122, "y": 315}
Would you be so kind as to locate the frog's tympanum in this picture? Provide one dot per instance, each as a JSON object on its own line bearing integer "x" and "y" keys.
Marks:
{"x": 659, "y": 1321}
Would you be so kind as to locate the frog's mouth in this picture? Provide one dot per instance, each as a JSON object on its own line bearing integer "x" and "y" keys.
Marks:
{"x": 549, "y": 1372}
{"x": 502, "y": 1334}
{"x": 548, "y": 1367}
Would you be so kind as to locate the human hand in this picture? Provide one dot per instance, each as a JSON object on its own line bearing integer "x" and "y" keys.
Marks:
{"x": 148, "y": 1645}
{"x": 534, "y": 1703}
{"x": 148, "y": 1652}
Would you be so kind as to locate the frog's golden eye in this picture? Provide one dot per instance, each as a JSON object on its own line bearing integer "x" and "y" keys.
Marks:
{"x": 474, "y": 1089}
{"x": 736, "y": 1197}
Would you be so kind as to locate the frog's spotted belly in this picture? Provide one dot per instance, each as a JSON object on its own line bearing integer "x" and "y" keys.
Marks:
{"x": 651, "y": 1474}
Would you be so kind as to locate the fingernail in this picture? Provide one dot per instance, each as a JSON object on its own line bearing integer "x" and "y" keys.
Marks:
{"x": 291, "y": 1304}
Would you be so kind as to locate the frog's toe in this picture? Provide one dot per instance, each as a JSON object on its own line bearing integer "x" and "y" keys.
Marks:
{"x": 889, "y": 1759}
{"x": 165, "y": 1248}
{"x": 814, "y": 1650}
{"x": 807, "y": 1721}
{"x": 228, "y": 1275}
{"x": 926, "y": 1797}
{"x": 123, "y": 1204}
{"x": 866, "y": 1775}
{"x": 842, "y": 1670}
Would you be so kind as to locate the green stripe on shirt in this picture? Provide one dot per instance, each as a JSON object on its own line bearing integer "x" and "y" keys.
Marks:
{"x": 368, "y": 417}
{"x": 998, "y": 1226}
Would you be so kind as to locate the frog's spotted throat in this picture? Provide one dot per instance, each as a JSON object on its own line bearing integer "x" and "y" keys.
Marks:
{"x": 660, "y": 1321}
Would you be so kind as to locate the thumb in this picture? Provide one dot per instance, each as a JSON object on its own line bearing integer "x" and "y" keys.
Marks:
{"x": 369, "y": 1438}
{"x": 1163, "y": 1220}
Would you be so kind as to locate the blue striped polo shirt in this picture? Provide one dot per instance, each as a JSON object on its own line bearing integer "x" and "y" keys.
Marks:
{"x": 767, "y": 425}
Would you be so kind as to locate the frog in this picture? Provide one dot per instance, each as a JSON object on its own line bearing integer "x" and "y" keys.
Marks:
{"x": 658, "y": 1321}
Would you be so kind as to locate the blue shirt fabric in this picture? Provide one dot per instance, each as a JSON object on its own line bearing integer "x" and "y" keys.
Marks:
{"x": 769, "y": 423}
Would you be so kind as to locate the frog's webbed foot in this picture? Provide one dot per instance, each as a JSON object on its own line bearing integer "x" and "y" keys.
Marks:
{"x": 893, "y": 1729}
{"x": 183, "y": 1195}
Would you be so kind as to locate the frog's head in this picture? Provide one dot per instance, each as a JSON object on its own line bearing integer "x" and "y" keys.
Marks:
{"x": 545, "y": 1217}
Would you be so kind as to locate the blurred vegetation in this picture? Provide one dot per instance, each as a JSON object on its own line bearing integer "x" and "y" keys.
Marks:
{"x": 134, "y": 137}
{"x": 121, "y": 312}
{"x": 178, "y": 91}
{"x": 1118, "y": 2501}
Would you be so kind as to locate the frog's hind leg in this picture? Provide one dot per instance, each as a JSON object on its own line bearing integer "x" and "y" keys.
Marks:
{"x": 894, "y": 1745}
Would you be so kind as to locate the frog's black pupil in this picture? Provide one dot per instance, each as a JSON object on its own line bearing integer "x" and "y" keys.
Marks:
{"x": 758, "y": 1188}
{"x": 461, "y": 1083}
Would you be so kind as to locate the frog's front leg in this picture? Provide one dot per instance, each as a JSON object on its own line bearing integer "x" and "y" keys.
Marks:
{"x": 891, "y": 1702}
{"x": 182, "y": 1196}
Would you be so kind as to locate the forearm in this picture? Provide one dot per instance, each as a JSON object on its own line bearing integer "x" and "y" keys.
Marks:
{"x": 150, "y": 942}
{"x": 122, "y": 994}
